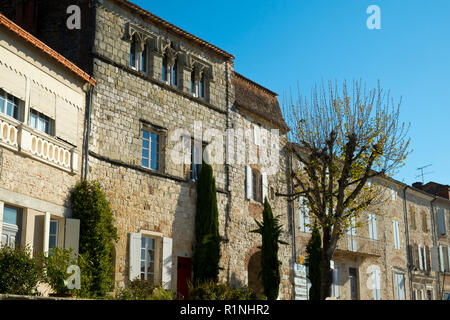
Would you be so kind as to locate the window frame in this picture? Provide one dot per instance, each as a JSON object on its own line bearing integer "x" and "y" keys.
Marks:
{"x": 39, "y": 116}
{"x": 9, "y": 99}
{"x": 145, "y": 274}
{"x": 159, "y": 135}
{"x": 55, "y": 234}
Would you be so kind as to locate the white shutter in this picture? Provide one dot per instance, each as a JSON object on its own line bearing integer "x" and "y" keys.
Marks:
{"x": 419, "y": 248}
{"x": 46, "y": 232}
{"x": 72, "y": 235}
{"x": 425, "y": 258}
{"x": 42, "y": 100}
{"x": 248, "y": 176}
{"x": 135, "y": 255}
{"x": 167, "y": 263}
{"x": 66, "y": 122}
{"x": 441, "y": 221}
{"x": 448, "y": 258}
{"x": 370, "y": 217}
{"x": 301, "y": 214}
{"x": 257, "y": 135}
{"x": 264, "y": 185}
{"x": 377, "y": 284}
{"x": 307, "y": 219}
{"x": 12, "y": 82}
{"x": 396, "y": 235}
{"x": 374, "y": 227}
{"x": 335, "y": 281}
{"x": 441, "y": 258}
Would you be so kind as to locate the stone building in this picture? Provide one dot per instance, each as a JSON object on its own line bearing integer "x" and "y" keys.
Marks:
{"x": 164, "y": 95}
{"x": 42, "y": 105}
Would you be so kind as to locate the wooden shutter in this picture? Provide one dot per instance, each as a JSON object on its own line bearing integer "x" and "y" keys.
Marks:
{"x": 264, "y": 185}
{"x": 441, "y": 221}
{"x": 12, "y": 82}
{"x": 377, "y": 284}
{"x": 335, "y": 281}
{"x": 435, "y": 259}
{"x": 167, "y": 263}
{"x": 257, "y": 135}
{"x": 72, "y": 235}
{"x": 135, "y": 255}
{"x": 414, "y": 256}
{"x": 46, "y": 232}
{"x": 66, "y": 122}
{"x": 42, "y": 100}
{"x": 370, "y": 226}
{"x": 248, "y": 180}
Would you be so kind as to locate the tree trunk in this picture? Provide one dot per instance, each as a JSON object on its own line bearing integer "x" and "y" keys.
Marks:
{"x": 325, "y": 290}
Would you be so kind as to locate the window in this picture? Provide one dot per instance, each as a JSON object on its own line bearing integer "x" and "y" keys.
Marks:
{"x": 441, "y": 221}
{"x": 196, "y": 160}
{"x": 376, "y": 285}
{"x": 396, "y": 235}
{"x": 413, "y": 218}
{"x": 202, "y": 86}
{"x": 138, "y": 55}
{"x": 11, "y": 229}
{"x": 304, "y": 215}
{"x": 193, "y": 85}
{"x": 372, "y": 226}
{"x": 148, "y": 259}
{"x": 429, "y": 294}
{"x": 257, "y": 185}
{"x": 9, "y": 105}
{"x": 351, "y": 232}
{"x": 53, "y": 235}
{"x": 40, "y": 122}
{"x": 150, "y": 149}
{"x": 424, "y": 221}
{"x": 175, "y": 74}
{"x": 399, "y": 280}
{"x": 164, "y": 70}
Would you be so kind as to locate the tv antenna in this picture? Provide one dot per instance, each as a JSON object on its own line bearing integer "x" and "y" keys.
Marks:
{"x": 423, "y": 173}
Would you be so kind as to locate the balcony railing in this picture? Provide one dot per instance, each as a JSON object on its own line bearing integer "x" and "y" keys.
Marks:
{"x": 16, "y": 136}
{"x": 359, "y": 245}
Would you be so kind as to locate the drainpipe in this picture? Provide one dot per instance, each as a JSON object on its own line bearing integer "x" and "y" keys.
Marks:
{"x": 408, "y": 258}
{"x": 435, "y": 244}
{"x": 89, "y": 91}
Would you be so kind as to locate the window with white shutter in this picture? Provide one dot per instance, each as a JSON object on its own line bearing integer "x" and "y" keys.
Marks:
{"x": 419, "y": 248}
{"x": 372, "y": 226}
{"x": 376, "y": 285}
{"x": 400, "y": 286}
{"x": 167, "y": 263}
{"x": 396, "y": 235}
{"x": 248, "y": 182}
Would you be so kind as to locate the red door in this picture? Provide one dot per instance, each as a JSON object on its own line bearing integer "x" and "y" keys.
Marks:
{"x": 184, "y": 272}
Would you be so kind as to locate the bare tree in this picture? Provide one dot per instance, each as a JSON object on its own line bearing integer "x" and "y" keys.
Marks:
{"x": 341, "y": 138}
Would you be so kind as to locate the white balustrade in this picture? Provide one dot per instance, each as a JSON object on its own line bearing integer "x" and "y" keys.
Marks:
{"x": 38, "y": 145}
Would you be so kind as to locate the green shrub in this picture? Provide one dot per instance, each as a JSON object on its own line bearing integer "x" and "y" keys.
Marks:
{"x": 210, "y": 290}
{"x": 97, "y": 236}
{"x": 55, "y": 269}
{"x": 87, "y": 279}
{"x": 19, "y": 272}
{"x": 144, "y": 290}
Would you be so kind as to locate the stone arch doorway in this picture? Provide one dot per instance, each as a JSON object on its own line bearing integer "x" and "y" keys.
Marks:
{"x": 254, "y": 277}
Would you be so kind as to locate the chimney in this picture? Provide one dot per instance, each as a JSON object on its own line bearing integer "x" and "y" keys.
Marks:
{"x": 417, "y": 185}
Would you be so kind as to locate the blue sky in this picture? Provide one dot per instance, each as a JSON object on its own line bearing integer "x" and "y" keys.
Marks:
{"x": 281, "y": 43}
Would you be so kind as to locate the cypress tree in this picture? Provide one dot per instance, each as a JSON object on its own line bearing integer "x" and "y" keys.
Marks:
{"x": 207, "y": 248}
{"x": 313, "y": 261}
{"x": 270, "y": 231}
